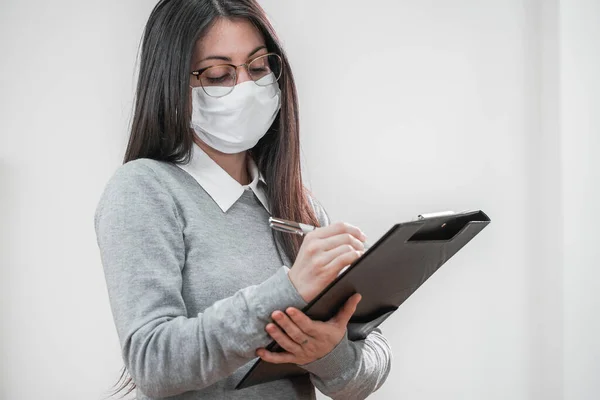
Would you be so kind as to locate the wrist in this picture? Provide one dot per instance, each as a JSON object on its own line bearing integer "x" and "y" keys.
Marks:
{"x": 293, "y": 280}
{"x": 336, "y": 364}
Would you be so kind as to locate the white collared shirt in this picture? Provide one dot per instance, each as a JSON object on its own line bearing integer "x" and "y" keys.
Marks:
{"x": 219, "y": 185}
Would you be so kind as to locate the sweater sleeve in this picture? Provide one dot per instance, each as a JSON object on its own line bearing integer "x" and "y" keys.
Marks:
{"x": 142, "y": 250}
{"x": 353, "y": 369}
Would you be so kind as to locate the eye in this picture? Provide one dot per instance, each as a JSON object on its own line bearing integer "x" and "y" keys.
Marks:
{"x": 218, "y": 79}
{"x": 259, "y": 69}
{"x": 263, "y": 66}
{"x": 219, "y": 75}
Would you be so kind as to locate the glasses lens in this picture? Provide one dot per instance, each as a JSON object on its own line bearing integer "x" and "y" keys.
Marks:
{"x": 218, "y": 81}
{"x": 265, "y": 70}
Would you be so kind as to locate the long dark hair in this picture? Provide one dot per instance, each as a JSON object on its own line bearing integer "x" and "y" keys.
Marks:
{"x": 160, "y": 128}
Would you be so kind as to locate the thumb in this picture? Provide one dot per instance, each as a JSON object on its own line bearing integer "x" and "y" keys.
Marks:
{"x": 343, "y": 316}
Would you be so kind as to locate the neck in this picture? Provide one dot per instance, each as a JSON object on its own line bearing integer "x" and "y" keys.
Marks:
{"x": 234, "y": 164}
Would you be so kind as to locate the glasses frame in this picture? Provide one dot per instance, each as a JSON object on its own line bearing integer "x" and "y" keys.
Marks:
{"x": 197, "y": 73}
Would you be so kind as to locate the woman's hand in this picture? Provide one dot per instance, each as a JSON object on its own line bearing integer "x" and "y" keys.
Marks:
{"x": 323, "y": 254}
{"x": 303, "y": 339}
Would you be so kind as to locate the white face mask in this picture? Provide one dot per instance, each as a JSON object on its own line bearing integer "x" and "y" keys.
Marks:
{"x": 235, "y": 122}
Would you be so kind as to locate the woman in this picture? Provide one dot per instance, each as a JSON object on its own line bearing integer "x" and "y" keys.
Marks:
{"x": 198, "y": 283}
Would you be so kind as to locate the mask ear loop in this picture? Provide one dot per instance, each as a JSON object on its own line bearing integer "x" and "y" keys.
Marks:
{"x": 191, "y": 87}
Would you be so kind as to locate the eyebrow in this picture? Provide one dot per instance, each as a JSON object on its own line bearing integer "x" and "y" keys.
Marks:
{"x": 224, "y": 58}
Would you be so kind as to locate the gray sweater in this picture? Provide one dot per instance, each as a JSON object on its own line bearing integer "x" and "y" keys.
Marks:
{"x": 191, "y": 289}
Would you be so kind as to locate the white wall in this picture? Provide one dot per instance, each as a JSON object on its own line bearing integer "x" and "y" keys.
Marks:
{"x": 580, "y": 144}
{"x": 410, "y": 107}
{"x": 65, "y": 93}
{"x": 406, "y": 107}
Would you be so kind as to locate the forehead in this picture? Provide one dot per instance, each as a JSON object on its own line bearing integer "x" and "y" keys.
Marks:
{"x": 229, "y": 37}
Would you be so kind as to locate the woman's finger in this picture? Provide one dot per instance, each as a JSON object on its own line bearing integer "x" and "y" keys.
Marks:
{"x": 343, "y": 316}
{"x": 282, "y": 339}
{"x": 325, "y": 258}
{"x": 343, "y": 238}
{"x": 276, "y": 358}
{"x": 336, "y": 229}
{"x": 303, "y": 321}
{"x": 291, "y": 329}
{"x": 343, "y": 260}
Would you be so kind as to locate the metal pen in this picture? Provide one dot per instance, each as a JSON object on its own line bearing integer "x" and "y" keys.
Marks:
{"x": 298, "y": 228}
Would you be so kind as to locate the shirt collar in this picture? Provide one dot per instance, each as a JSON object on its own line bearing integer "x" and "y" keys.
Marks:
{"x": 219, "y": 185}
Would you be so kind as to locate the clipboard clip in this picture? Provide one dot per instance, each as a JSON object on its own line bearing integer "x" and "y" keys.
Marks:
{"x": 435, "y": 214}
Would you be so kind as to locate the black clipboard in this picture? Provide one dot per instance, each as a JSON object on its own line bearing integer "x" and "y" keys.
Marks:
{"x": 391, "y": 270}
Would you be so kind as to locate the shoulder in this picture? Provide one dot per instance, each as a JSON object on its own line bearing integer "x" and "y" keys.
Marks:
{"x": 136, "y": 170}
{"x": 133, "y": 184}
{"x": 146, "y": 172}
{"x": 132, "y": 176}
{"x": 320, "y": 212}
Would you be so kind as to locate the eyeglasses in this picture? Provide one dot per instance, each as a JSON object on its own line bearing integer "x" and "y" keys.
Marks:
{"x": 219, "y": 80}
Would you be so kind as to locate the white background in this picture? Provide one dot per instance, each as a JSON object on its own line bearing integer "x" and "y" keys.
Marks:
{"x": 406, "y": 107}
